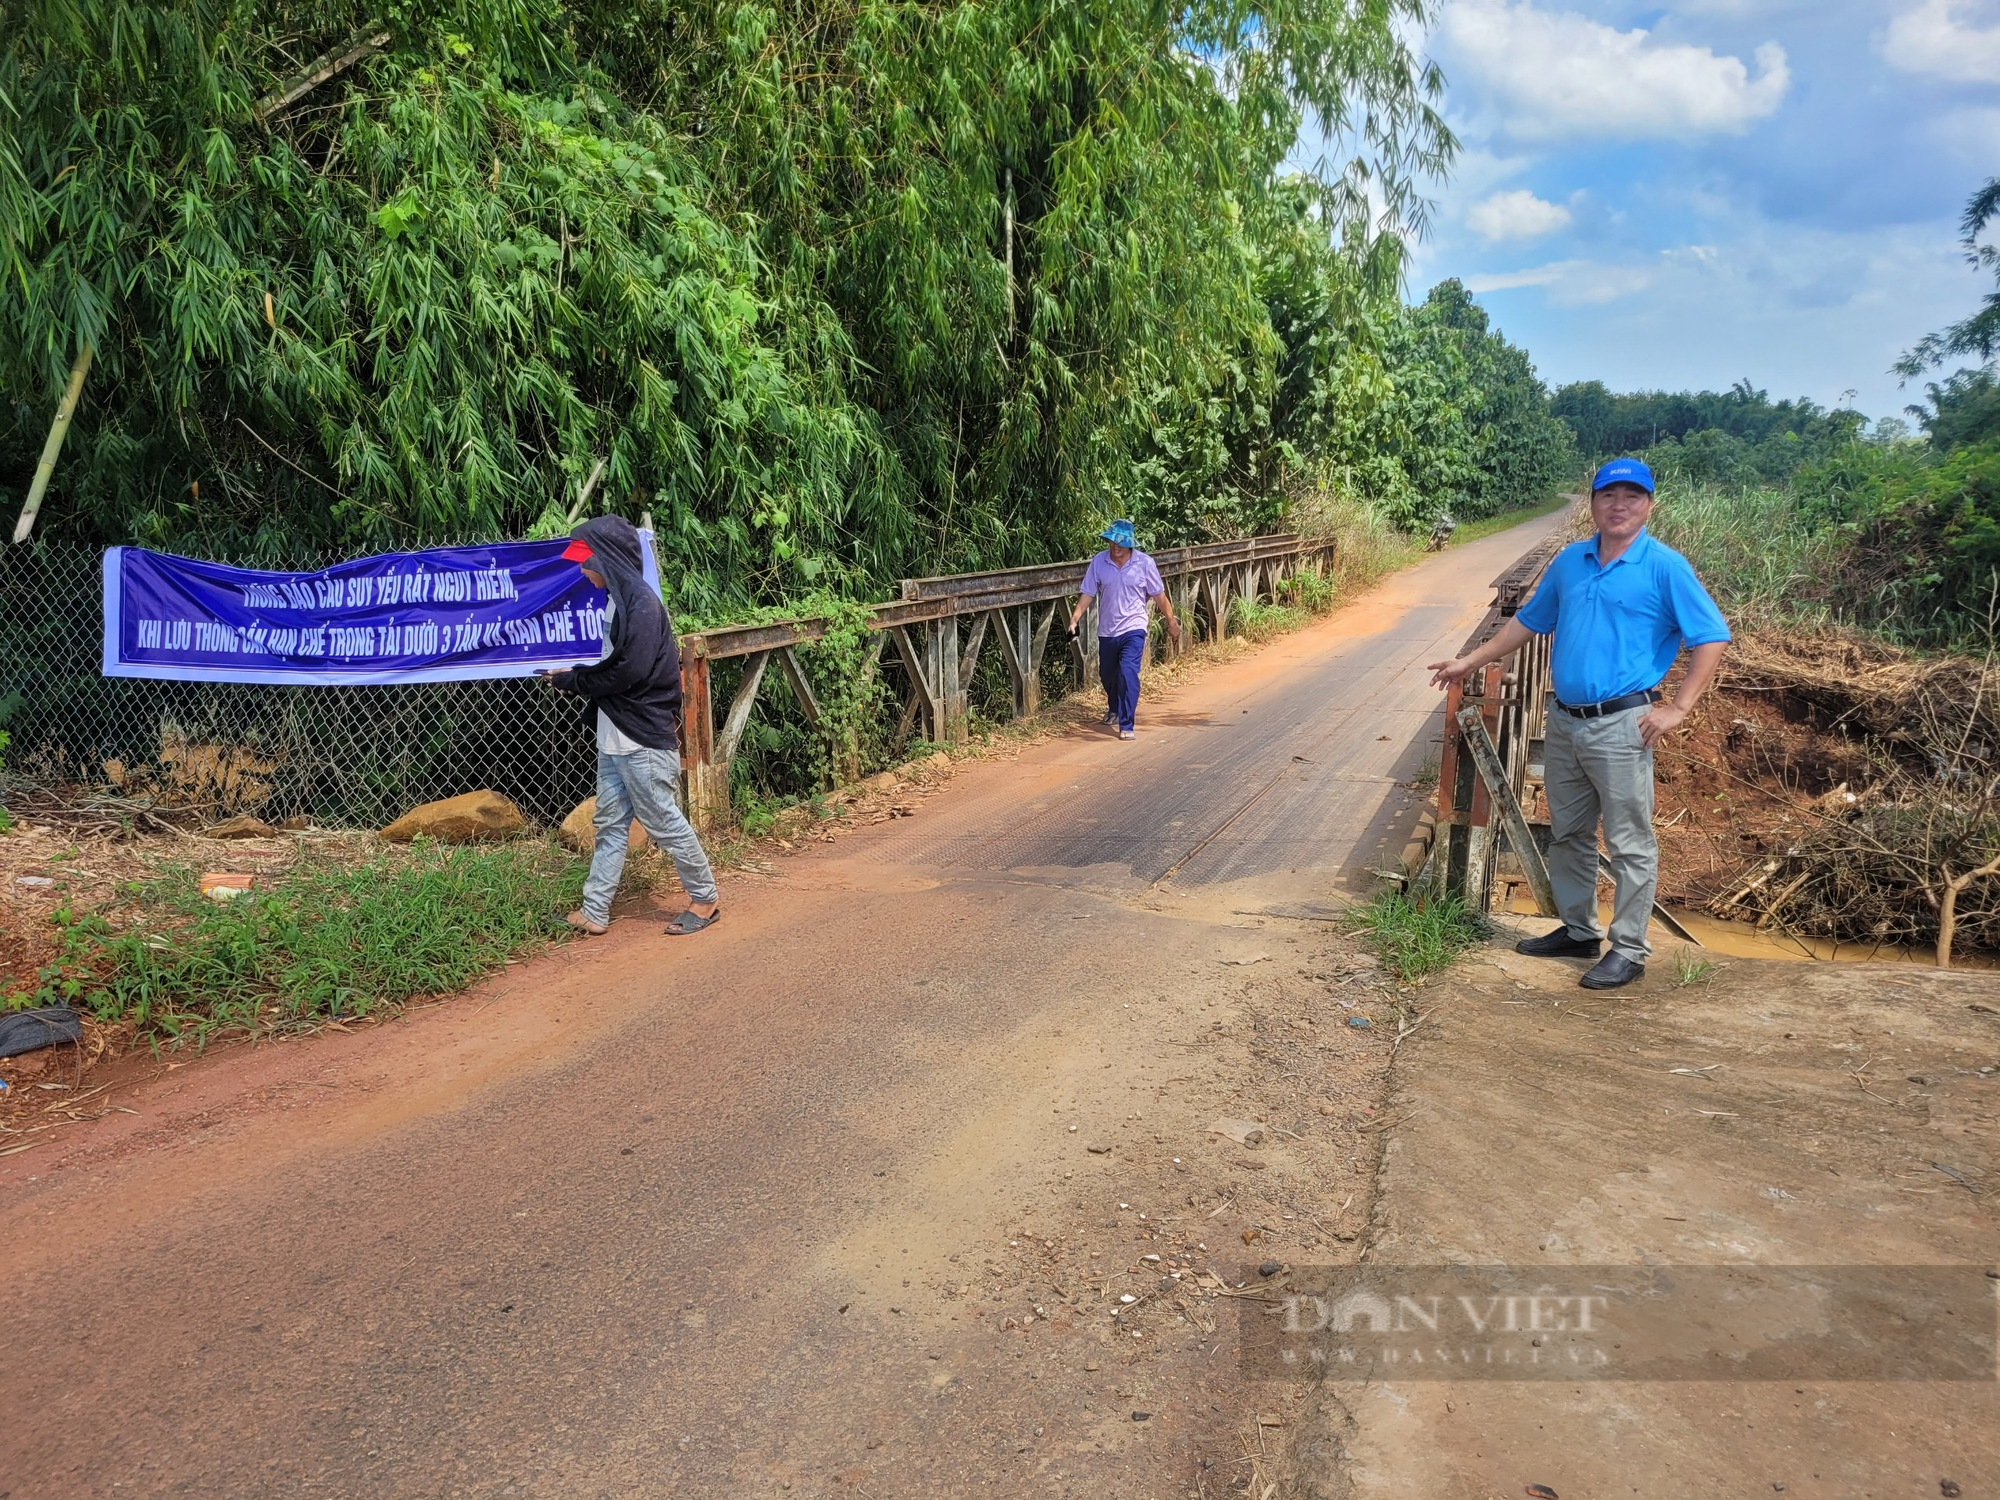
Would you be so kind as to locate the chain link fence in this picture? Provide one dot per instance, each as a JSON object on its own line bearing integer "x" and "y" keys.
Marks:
{"x": 338, "y": 756}
{"x": 360, "y": 756}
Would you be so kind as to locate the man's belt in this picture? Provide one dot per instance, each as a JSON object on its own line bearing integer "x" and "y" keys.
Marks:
{"x": 1609, "y": 705}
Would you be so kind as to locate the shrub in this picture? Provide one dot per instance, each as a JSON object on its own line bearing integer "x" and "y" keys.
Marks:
{"x": 1307, "y": 591}
{"x": 1259, "y": 622}
{"x": 1414, "y": 937}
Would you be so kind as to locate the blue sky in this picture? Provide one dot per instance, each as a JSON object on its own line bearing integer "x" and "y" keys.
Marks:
{"x": 1683, "y": 195}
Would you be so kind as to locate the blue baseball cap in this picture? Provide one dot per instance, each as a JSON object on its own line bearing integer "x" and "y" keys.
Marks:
{"x": 1120, "y": 534}
{"x": 1623, "y": 471}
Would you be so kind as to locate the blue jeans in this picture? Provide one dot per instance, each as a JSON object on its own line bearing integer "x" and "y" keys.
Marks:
{"x": 1118, "y": 667}
{"x": 641, "y": 786}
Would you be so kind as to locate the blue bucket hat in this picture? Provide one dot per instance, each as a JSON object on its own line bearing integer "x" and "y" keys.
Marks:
{"x": 1119, "y": 533}
{"x": 1623, "y": 471}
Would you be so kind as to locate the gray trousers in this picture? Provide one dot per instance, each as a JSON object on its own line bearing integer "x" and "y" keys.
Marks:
{"x": 641, "y": 786}
{"x": 1596, "y": 770}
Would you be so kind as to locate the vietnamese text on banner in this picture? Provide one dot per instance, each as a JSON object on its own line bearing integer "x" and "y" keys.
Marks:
{"x": 507, "y": 609}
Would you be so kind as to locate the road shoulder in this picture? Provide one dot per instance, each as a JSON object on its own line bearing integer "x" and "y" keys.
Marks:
{"x": 1778, "y": 1114}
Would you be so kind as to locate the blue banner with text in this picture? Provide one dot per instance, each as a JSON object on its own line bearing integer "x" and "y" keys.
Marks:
{"x": 506, "y": 609}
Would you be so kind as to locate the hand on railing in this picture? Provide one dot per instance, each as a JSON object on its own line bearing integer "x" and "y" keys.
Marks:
{"x": 1508, "y": 639}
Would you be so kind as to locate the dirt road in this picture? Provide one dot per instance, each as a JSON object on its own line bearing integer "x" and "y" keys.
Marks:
{"x": 1782, "y": 1117}
{"x": 900, "y": 1182}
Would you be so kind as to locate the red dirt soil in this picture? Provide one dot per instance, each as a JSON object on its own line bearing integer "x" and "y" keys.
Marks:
{"x": 1732, "y": 786}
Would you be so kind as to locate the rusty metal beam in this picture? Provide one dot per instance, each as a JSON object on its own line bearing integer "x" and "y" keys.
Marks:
{"x": 743, "y": 640}
{"x": 968, "y": 663}
{"x": 1499, "y": 786}
{"x": 975, "y": 593}
{"x": 913, "y": 665}
{"x": 1040, "y": 644}
{"x": 1013, "y": 651}
{"x": 1063, "y": 576}
{"x": 707, "y": 798}
{"x": 1505, "y": 699}
{"x": 1512, "y": 588}
{"x": 940, "y": 672}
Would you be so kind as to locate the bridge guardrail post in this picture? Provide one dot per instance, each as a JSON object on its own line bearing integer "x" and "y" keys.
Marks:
{"x": 707, "y": 793}
{"x": 1512, "y": 698}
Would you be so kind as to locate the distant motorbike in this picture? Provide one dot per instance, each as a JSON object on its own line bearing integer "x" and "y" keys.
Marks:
{"x": 1441, "y": 530}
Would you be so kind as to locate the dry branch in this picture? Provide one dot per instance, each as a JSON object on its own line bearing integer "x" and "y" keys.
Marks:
{"x": 365, "y": 42}
{"x": 1911, "y": 857}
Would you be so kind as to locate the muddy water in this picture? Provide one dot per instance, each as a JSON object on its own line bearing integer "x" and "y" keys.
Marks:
{"x": 1742, "y": 940}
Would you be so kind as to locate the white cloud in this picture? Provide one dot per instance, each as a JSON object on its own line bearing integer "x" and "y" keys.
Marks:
{"x": 1945, "y": 38}
{"x": 1799, "y": 309}
{"x": 1508, "y": 281}
{"x": 1476, "y": 171}
{"x": 1515, "y": 215}
{"x": 1544, "y": 75}
{"x": 1571, "y": 283}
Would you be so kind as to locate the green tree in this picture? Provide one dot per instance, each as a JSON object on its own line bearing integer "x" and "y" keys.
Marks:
{"x": 421, "y": 309}
{"x": 1520, "y": 451}
{"x": 1979, "y": 334}
{"x": 1607, "y": 425}
{"x": 1961, "y": 410}
{"x": 836, "y": 292}
{"x": 1589, "y": 410}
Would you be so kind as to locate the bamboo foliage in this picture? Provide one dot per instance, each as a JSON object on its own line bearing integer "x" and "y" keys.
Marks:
{"x": 414, "y": 310}
{"x": 838, "y": 289}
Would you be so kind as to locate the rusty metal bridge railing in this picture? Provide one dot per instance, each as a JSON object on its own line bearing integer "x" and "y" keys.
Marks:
{"x": 1469, "y": 853}
{"x": 939, "y": 627}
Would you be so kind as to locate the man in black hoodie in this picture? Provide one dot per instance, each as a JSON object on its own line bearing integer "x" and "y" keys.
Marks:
{"x": 635, "y": 691}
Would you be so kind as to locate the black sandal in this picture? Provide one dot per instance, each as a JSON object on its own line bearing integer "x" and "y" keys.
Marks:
{"x": 692, "y": 921}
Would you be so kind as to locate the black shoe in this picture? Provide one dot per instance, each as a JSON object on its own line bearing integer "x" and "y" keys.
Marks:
{"x": 1557, "y": 944}
{"x": 1613, "y": 971}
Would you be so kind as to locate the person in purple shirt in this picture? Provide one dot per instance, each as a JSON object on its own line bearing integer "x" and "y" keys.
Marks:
{"x": 1126, "y": 585}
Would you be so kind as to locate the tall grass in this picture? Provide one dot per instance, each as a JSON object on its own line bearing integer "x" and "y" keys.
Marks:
{"x": 1762, "y": 556}
{"x": 1506, "y": 520}
{"x": 325, "y": 941}
{"x": 1367, "y": 544}
{"x": 1254, "y": 621}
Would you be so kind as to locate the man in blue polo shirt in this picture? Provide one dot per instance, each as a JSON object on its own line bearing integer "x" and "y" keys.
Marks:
{"x": 1620, "y": 606}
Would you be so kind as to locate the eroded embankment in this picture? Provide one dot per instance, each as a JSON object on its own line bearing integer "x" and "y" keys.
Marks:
{"x": 1835, "y": 788}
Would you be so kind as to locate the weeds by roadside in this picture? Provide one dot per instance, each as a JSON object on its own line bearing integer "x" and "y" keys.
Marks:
{"x": 1306, "y": 591}
{"x": 323, "y": 942}
{"x": 1690, "y": 967}
{"x": 1414, "y": 938}
{"x": 1259, "y": 622}
{"x": 1759, "y": 551}
{"x": 1478, "y": 531}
